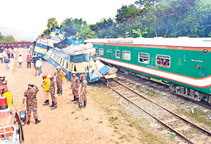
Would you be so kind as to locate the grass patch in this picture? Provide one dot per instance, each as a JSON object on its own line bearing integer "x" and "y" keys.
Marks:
{"x": 113, "y": 119}
{"x": 197, "y": 116}
{"x": 117, "y": 114}
{"x": 123, "y": 137}
{"x": 100, "y": 122}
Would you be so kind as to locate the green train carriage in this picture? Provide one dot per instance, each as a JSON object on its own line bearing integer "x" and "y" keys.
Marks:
{"x": 185, "y": 63}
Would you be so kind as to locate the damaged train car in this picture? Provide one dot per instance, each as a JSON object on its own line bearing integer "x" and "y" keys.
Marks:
{"x": 77, "y": 58}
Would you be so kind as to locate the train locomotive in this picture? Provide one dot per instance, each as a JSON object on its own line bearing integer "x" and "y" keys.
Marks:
{"x": 183, "y": 63}
{"x": 70, "y": 54}
{"x": 57, "y": 38}
{"x": 79, "y": 59}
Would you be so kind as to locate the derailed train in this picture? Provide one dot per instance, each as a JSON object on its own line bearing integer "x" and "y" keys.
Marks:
{"x": 183, "y": 63}
{"x": 71, "y": 55}
{"x": 77, "y": 58}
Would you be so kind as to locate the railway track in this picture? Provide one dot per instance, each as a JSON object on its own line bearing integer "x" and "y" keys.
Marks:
{"x": 160, "y": 87}
{"x": 174, "y": 122}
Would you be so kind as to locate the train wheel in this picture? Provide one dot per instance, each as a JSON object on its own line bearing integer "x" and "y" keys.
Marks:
{"x": 197, "y": 96}
{"x": 209, "y": 100}
{"x": 172, "y": 88}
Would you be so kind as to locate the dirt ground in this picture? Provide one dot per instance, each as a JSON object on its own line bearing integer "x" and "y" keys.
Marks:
{"x": 65, "y": 125}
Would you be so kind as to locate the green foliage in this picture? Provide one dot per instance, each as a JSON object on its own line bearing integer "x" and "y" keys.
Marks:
{"x": 86, "y": 33}
{"x": 73, "y": 26}
{"x": 107, "y": 28}
{"x": 162, "y": 18}
{"x": 140, "y": 31}
{"x": 6, "y": 39}
{"x": 52, "y": 23}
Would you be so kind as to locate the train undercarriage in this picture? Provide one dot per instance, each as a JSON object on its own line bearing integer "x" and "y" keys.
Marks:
{"x": 189, "y": 93}
{"x": 177, "y": 89}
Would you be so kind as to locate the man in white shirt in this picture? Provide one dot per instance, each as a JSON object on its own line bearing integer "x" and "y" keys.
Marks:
{"x": 37, "y": 67}
{"x": 1, "y": 57}
{"x": 20, "y": 61}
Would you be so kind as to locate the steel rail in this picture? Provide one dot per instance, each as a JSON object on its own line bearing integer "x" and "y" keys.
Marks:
{"x": 178, "y": 133}
{"x": 155, "y": 87}
{"x": 195, "y": 125}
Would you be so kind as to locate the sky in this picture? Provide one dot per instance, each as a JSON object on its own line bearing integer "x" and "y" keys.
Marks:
{"x": 26, "y": 19}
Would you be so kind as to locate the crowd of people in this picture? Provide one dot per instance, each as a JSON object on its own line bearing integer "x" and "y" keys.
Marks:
{"x": 52, "y": 84}
{"x": 5, "y": 55}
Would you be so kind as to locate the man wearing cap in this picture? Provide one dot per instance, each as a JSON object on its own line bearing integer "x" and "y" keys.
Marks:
{"x": 31, "y": 102}
{"x": 75, "y": 86}
{"x": 83, "y": 92}
{"x": 59, "y": 76}
{"x": 46, "y": 86}
{"x": 52, "y": 92}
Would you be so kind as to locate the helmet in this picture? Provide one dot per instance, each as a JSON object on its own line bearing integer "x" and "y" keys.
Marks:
{"x": 2, "y": 76}
{"x": 83, "y": 76}
{"x": 58, "y": 67}
{"x": 3, "y": 89}
{"x": 51, "y": 77}
{"x": 44, "y": 76}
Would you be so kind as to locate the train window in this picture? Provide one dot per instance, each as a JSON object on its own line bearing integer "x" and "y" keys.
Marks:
{"x": 60, "y": 60}
{"x": 96, "y": 51}
{"x": 66, "y": 65}
{"x": 163, "y": 61}
{"x": 117, "y": 54}
{"x": 126, "y": 55}
{"x": 101, "y": 51}
{"x": 143, "y": 58}
{"x": 63, "y": 63}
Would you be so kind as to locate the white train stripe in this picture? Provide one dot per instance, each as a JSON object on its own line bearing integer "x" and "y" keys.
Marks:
{"x": 197, "y": 82}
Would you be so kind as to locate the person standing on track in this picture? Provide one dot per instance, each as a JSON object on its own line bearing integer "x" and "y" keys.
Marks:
{"x": 83, "y": 92}
{"x": 52, "y": 92}
{"x": 31, "y": 102}
{"x": 75, "y": 86}
{"x": 46, "y": 86}
{"x": 59, "y": 75}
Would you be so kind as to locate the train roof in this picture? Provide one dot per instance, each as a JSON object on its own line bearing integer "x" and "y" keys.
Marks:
{"x": 77, "y": 50}
{"x": 181, "y": 41}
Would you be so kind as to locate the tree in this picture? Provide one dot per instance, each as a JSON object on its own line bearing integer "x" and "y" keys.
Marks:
{"x": 52, "y": 23}
{"x": 6, "y": 39}
{"x": 140, "y": 31}
{"x": 127, "y": 12}
{"x": 86, "y": 33}
{"x": 107, "y": 28}
{"x": 72, "y": 26}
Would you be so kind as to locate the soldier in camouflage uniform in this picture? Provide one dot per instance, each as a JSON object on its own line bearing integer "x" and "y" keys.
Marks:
{"x": 2, "y": 80}
{"x": 75, "y": 86}
{"x": 31, "y": 102}
{"x": 59, "y": 80}
{"x": 83, "y": 98}
{"x": 52, "y": 92}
